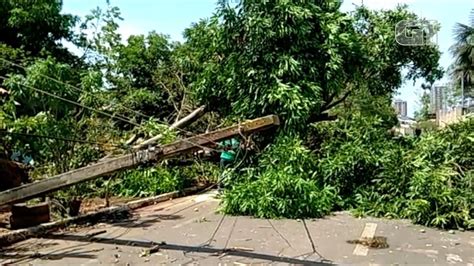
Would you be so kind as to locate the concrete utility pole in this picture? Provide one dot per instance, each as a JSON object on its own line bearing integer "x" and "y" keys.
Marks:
{"x": 134, "y": 159}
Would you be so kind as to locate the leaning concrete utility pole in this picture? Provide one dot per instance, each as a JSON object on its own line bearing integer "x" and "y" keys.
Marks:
{"x": 134, "y": 159}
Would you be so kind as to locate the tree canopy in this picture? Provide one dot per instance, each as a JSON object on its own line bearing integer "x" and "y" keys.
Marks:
{"x": 300, "y": 59}
{"x": 37, "y": 27}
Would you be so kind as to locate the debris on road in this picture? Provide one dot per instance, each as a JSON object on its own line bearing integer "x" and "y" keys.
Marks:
{"x": 378, "y": 242}
{"x": 453, "y": 258}
{"x": 96, "y": 233}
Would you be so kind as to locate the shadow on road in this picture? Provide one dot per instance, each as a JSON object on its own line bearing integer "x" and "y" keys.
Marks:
{"x": 140, "y": 222}
{"x": 16, "y": 258}
{"x": 184, "y": 248}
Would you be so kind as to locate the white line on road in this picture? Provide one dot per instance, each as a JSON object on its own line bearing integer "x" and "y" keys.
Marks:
{"x": 369, "y": 232}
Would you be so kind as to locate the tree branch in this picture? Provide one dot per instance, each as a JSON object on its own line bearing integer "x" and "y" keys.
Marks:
{"x": 331, "y": 105}
{"x": 328, "y": 101}
{"x": 196, "y": 114}
{"x": 183, "y": 100}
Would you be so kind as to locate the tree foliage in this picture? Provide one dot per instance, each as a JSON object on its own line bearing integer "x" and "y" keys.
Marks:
{"x": 37, "y": 27}
{"x": 284, "y": 185}
{"x": 431, "y": 183}
{"x": 299, "y": 59}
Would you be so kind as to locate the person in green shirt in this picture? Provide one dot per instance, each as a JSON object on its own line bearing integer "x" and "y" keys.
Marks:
{"x": 228, "y": 153}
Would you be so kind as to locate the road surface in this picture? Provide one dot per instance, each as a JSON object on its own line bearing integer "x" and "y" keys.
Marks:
{"x": 189, "y": 231}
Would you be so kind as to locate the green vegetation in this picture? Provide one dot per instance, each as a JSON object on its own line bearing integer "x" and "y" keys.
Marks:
{"x": 427, "y": 180}
{"x": 301, "y": 60}
{"x": 157, "y": 180}
{"x": 283, "y": 185}
{"x": 360, "y": 166}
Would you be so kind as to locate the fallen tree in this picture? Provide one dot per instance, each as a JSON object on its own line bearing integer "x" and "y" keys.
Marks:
{"x": 359, "y": 166}
{"x": 134, "y": 159}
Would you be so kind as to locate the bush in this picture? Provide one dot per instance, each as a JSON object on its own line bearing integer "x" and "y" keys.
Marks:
{"x": 359, "y": 166}
{"x": 429, "y": 182}
{"x": 146, "y": 182}
{"x": 150, "y": 181}
{"x": 354, "y": 152}
{"x": 282, "y": 185}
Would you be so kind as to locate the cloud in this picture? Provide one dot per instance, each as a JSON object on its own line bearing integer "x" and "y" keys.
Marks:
{"x": 126, "y": 30}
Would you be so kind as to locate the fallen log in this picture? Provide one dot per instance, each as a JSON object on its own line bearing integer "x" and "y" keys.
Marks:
{"x": 134, "y": 159}
{"x": 193, "y": 116}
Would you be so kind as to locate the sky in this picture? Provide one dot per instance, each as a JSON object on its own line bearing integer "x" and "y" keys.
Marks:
{"x": 171, "y": 17}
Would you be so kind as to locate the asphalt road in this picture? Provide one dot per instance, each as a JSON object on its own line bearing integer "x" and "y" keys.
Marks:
{"x": 189, "y": 231}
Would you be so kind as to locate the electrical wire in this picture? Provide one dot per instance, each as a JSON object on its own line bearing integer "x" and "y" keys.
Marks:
{"x": 56, "y": 138}
{"x": 208, "y": 243}
{"x": 112, "y": 116}
{"x": 73, "y": 102}
{"x": 310, "y": 238}
{"x": 230, "y": 233}
{"x": 55, "y": 80}
{"x": 123, "y": 118}
{"x": 71, "y": 86}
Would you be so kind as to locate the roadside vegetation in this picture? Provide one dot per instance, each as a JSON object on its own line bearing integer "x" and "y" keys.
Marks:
{"x": 305, "y": 62}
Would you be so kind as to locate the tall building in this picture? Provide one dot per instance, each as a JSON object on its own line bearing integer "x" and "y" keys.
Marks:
{"x": 400, "y": 107}
{"x": 436, "y": 99}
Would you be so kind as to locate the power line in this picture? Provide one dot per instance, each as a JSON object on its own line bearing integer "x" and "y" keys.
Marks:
{"x": 80, "y": 90}
{"x": 313, "y": 246}
{"x": 120, "y": 117}
{"x": 230, "y": 233}
{"x": 71, "y": 86}
{"x": 56, "y": 138}
{"x": 73, "y": 102}
{"x": 98, "y": 111}
{"x": 209, "y": 242}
